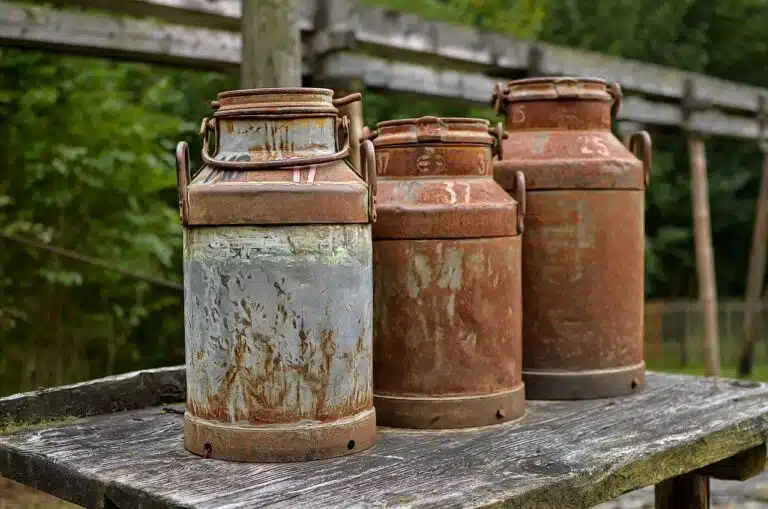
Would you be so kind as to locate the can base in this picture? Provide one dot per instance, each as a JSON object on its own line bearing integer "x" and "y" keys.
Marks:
{"x": 280, "y": 443}
{"x": 450, "y": 411}
{"x": 592, "y": 384}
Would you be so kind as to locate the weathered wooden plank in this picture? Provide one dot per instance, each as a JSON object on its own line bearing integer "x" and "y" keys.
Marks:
{"x": 118, "y": 37}
{"x": 742, "y": 466}
{"x": 560, "y": 455}
{"x": 216, "y": 14}
{"x": 396, "y": 33}
{"x": 125, "y": 38}
{"x": 117, "y": 393}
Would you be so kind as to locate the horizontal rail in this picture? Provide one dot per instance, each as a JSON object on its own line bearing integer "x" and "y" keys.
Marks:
{"x": 496, "y": 54}
{"x": 470, "y": 57}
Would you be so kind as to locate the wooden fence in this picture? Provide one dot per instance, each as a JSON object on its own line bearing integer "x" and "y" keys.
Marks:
{"x": 348, "y": 45}
{"x": 674, "y": 332}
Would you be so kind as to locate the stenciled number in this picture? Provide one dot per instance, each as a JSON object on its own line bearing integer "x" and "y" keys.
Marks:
{"x": 593, "y": 145}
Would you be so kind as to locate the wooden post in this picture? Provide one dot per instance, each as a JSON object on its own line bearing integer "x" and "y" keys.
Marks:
{"x": 702, "y": 231}
{"x": 688, "y": 491}
{"x": 757, "y": 255}
{"x": 705, "y": 259}
{"x": 271, "y": 50}
{"x": 334, "y": 33}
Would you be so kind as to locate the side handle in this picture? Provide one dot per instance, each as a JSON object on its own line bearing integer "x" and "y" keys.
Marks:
{"x": 519, "y": 195}
{"x": 614, "y": 89}
{"x": 647, "y": 156}
{"x": 368, "y": 156}
{"x": 183, "y": 178}
{"x": 351, "y": 106}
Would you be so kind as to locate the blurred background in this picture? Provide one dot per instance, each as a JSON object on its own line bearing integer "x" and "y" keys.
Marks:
{"x": 88, "y": 166}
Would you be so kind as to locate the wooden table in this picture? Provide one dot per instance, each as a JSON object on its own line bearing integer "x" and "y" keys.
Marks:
{"x": 117, "y": 443}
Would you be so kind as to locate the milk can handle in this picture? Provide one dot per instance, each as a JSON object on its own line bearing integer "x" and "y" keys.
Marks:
{"x": 368, "y": 158}
{"x": 498, "y": 134}
{"x": 614, "y": 89}
{"x": 519, "y": 195}
{"x": 209, "y": 125}
{"x": 182, "y": 177}
{"x": 351, "y": 98}
{"x": 645, "y": 138}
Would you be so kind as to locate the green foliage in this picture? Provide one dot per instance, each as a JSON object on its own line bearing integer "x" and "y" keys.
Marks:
{"x": 521, "y": 18}
{"x": 89, "y": 158}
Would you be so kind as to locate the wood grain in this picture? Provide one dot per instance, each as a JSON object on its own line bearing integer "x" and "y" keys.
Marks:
{"x": 117, "y": 393}
{"x": 406, "y": 36}
{"x": 385, "y": 49}
{"x": 743, "y": 466}
{"x": 271, "y": 46}
{"x": 688, "y": 491}
{"x": 560, "y": 455}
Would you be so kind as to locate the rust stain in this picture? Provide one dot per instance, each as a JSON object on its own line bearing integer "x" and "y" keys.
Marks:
{"x": 583, "y": 243}
{"x": 446, "y": 265}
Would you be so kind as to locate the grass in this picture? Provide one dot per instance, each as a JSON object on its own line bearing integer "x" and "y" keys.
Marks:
{"x": 759, "y": 373}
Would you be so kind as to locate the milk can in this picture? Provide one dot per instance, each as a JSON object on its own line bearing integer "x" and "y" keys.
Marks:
{"x": 277, "y": 281}
{"x": 583, "y": 246}
{"x": 446, "y": 258}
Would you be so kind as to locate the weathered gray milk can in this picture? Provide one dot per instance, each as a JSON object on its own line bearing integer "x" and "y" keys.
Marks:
{"x": 277, "y": 281}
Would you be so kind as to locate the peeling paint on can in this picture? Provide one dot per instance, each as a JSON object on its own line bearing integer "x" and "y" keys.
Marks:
{"x": 277, "y": 283}
{"x": 278, "y": 323}
{"x": 447, "y": 281}
{"x": 583, "y": 246}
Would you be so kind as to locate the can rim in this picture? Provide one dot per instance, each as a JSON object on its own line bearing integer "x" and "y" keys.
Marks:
{"x": 480, "y": 122}
{"x": 269, "y": 91}
{"x": 556, "y": 79}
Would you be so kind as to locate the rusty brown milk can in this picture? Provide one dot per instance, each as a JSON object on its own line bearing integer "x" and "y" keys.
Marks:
{"x": 583, "y": 246}
{"x": 277, "y": 281}
{"x": 446, "y": 263}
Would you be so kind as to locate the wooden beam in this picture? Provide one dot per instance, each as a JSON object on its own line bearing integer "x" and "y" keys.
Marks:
{"x": 271, "y": 47}
{"x": 705, "y": 258}
{"x": 117, "y": 393}
{"x": 742, "y": 466}
{"x": 688, "y": 491}
{"x": 390, "y": 33}
{"x": 118, "y": 37}
{"x": 215, "y": 14}
{"x": 757, "y": 255}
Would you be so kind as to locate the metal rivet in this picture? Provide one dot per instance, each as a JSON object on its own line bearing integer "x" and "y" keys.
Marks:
{"x": 207, "y": 448}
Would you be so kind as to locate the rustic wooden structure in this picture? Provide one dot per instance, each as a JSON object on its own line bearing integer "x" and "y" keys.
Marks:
{"x": 270, "y": 44}
{"x": 117, "y": 442}
{"x": 346, "y": 42}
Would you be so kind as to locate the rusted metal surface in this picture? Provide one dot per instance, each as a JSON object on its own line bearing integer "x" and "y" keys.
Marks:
{"x": 278, "y": 327}
{"x": 435, "y": 181}
{"x": 279, "y": 158}
{"x": 583, "y": 248}
{"x": 277, "y": 282}
{"x": 447, "y": 316}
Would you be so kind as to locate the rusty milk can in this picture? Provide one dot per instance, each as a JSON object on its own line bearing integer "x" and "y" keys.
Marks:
{"x": 277, "y": 281}
{"x": 446, "y": 258}
{"x": 583, "y": 246}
